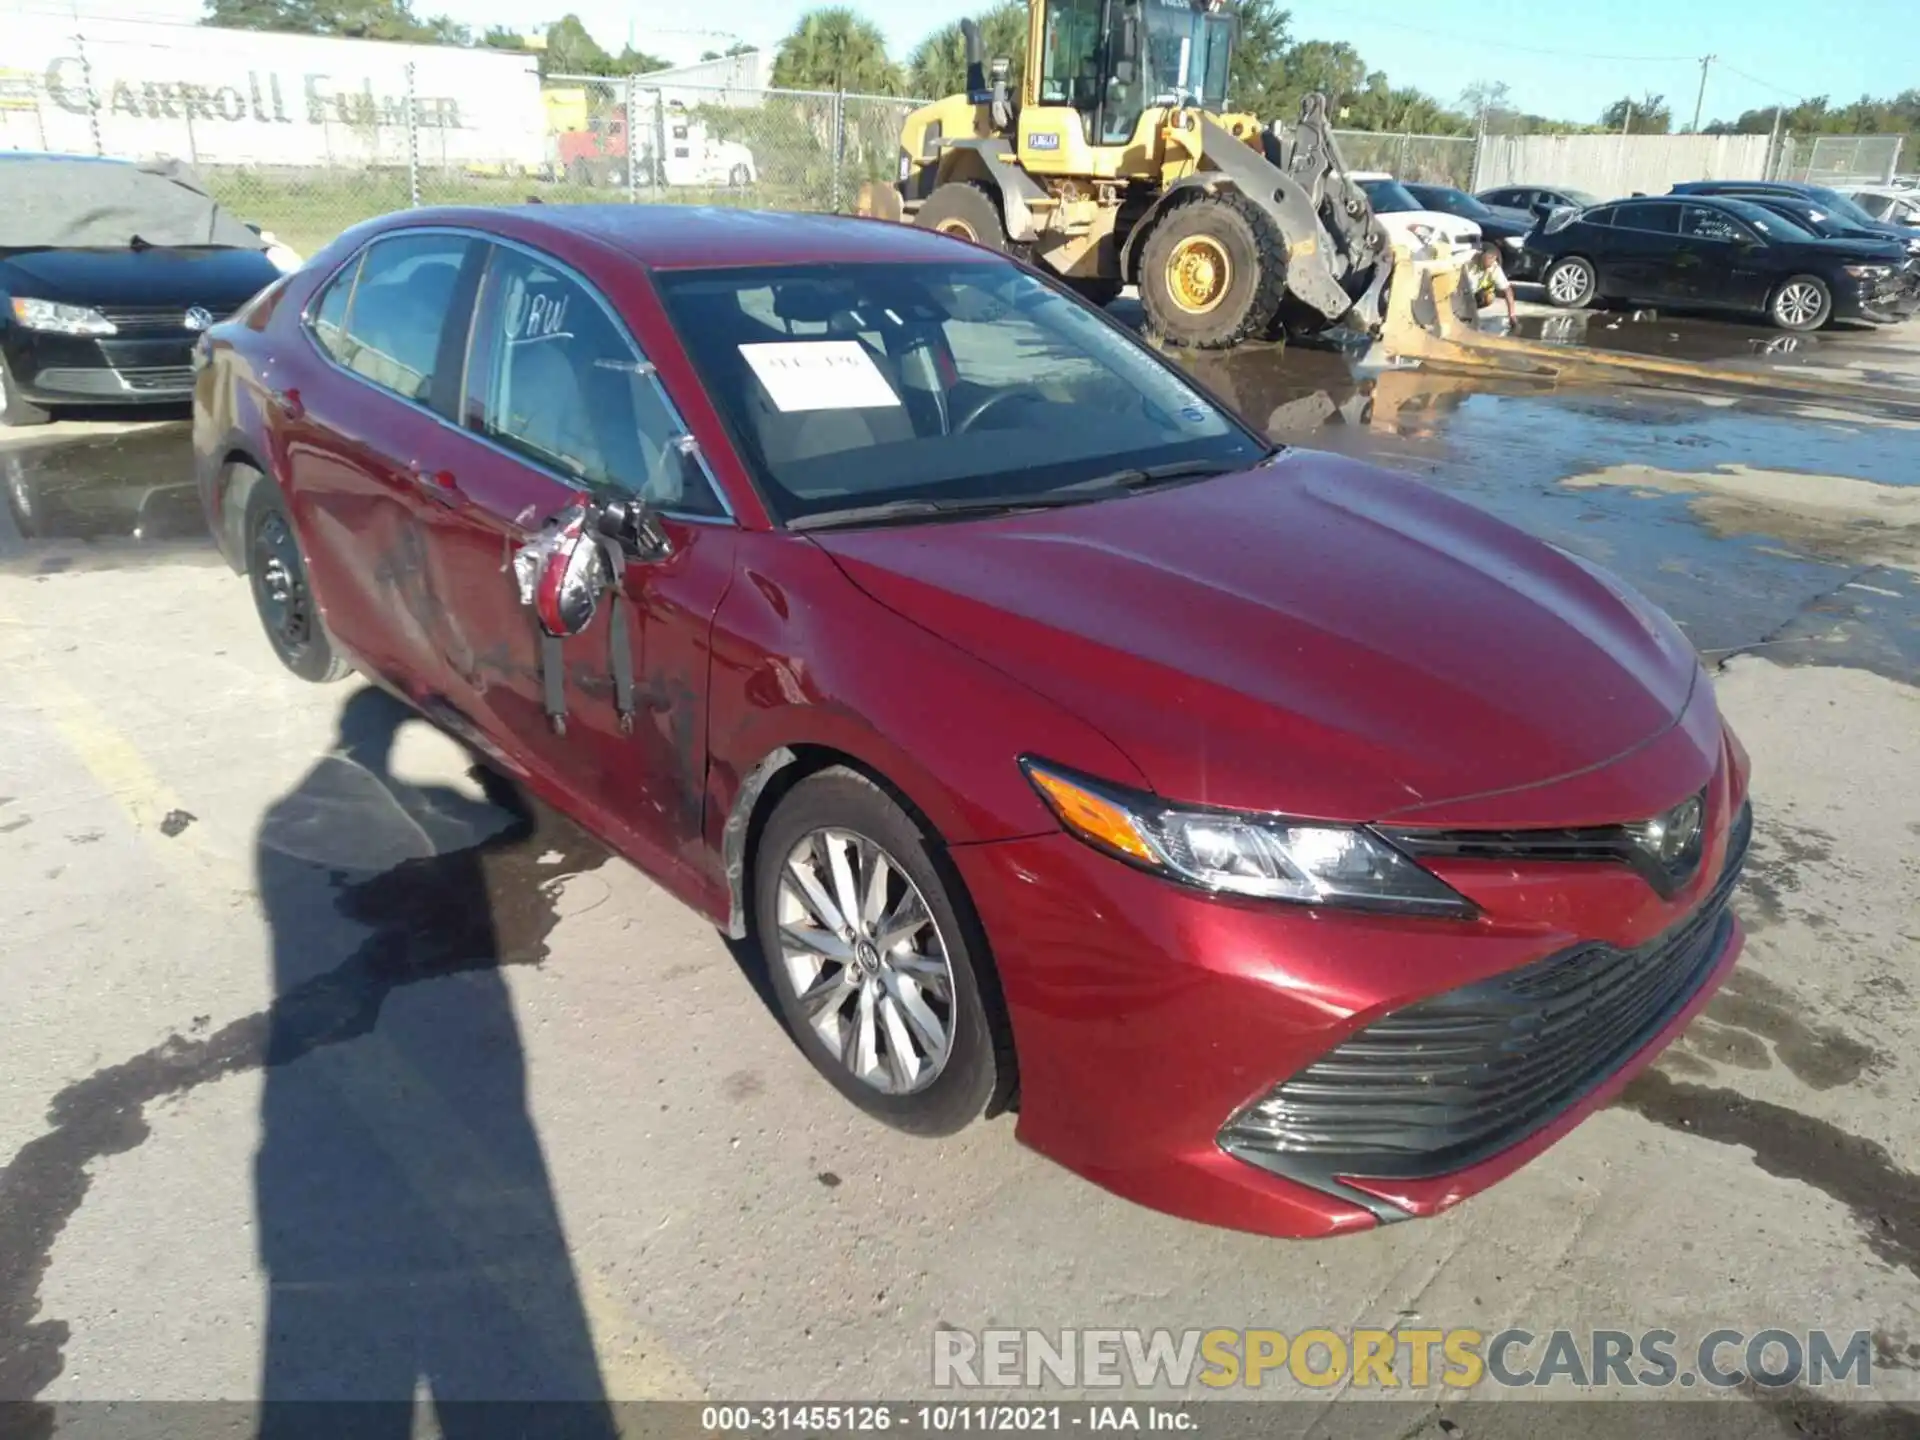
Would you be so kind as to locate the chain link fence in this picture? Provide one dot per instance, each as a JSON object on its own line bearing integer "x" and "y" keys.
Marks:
{"x": 1844, "y": 159}
{"x": 1421, "y": 159}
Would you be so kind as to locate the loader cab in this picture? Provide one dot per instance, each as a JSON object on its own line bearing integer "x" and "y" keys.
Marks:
{"x": 1096, "y": 67}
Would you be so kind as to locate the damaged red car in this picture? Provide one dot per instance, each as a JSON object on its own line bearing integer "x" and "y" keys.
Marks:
{"x": 1292, "y": 846}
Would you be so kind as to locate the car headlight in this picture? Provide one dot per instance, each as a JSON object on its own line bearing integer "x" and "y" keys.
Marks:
{"x": 1913, "y": 247}
{"x": 1868, "y": 272}
{"x": 60, "y": 319}
{"x": 1425, "y": 234}
{"x": 1512, "y": 242}
{"x": 1240, "y": 852}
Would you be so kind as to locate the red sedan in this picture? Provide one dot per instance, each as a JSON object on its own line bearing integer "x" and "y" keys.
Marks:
{"x": 1294, "y": 847}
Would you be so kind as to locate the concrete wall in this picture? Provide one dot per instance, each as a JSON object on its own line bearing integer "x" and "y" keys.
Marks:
{"x": 1614, "y": 165}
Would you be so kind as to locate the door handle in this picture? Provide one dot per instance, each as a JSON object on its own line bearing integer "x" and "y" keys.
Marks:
{"x": 440, "y": 484}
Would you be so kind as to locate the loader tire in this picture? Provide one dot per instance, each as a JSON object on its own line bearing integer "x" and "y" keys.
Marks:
{"x": 1212, "y": 273}
{"x": 966, "y": 211}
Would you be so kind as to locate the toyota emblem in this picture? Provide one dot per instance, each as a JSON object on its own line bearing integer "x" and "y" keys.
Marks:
{"x": 199, "y": 317}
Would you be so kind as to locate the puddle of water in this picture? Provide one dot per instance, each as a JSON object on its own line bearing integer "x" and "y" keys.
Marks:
{"x": 127, "y": 491}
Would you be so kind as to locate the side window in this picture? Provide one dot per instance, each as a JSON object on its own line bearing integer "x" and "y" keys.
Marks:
{"x": 330, "y": 315}
{"x": 397, "y": 310}
{"x": 1704, "y": 224}
{"x": 1660, "y": 219}
{"x": 1602, "y": 216}
{"x": 1875, "y": 205}
{"x": 553, "y": 377}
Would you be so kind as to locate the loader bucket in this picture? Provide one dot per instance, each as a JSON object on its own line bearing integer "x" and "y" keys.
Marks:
{"x": 1432, "y": 318}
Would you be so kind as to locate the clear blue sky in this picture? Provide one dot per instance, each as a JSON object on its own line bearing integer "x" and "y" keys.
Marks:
{"x": 1841, "y": 48}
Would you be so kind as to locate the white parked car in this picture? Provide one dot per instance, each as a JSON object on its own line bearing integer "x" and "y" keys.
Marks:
{"x": 1895, "y": 204}
{"x": 1422, "y": 231}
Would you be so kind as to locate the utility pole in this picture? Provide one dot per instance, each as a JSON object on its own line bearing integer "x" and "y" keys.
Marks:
{"x": 1627, "y": 123}
{"x": 1701, "y": 100}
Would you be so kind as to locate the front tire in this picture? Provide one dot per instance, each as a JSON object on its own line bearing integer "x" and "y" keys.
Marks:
{"x": 1571, "y": 283}
{"x": 15, "y": 409}
{"x": 965, "y": 211}
{"x": 1212, "y": 273}
{"x": 875, "y": 958}
{"x": 1802, "y": 304}
{"x": 282, "y": 597}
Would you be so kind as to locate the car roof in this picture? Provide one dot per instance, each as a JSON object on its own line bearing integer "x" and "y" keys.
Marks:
{"x": 58, "y": 155}
{"x": 676, "y": 237}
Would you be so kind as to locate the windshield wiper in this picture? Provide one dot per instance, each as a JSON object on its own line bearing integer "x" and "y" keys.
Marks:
{"x": 1143, "y": 477}
{"x": 919, "y": 509}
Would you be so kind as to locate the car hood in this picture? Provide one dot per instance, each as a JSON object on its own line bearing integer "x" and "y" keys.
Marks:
{"x": 220, "y": 280}
{"x": 1315, "y": 636}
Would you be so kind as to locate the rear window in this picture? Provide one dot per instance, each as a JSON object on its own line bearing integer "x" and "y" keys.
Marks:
{"x": 856, "y": 385}
{"x": 1661, "y": 219}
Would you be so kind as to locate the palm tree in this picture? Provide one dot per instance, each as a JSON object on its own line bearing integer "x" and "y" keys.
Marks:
{"x": 835, "y": 49}
{"x": 938, "y": 64}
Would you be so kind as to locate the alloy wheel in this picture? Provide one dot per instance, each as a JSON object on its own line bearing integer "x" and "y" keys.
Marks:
{"x": 1568, "y": 284}
{"x": 867, "y": 963}
{"x": 1799, "y": 304}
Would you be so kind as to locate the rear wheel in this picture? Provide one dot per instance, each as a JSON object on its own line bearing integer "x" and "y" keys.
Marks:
{"x": 965, "y": 211}
{"x": 1803, "y": 303}
{"x": 1212, "y": 273}
{"x": 1571, "y": 282}
{"x": 874, "y": 957}
{"x": 739, "y": 177}
{"x": 14, "y": 409}
{"x": 277, "y": 575}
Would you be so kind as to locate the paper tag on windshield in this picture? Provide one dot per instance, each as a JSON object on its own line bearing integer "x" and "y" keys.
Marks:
{"x": 820, "y": 375}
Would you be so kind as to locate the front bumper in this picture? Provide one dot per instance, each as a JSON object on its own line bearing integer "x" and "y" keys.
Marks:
{"x": 51, "y": 369}
{"x": 1147, "y": 1016}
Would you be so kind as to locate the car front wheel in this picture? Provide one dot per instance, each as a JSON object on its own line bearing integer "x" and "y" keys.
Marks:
{"x": 1803, "y": 303}
{"x": 1571, "y": 283}
{"x": 875, "y": 958}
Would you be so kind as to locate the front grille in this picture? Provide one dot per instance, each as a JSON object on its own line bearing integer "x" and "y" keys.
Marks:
{"x": 1449, "y": 1081}
{"x": 154, "y": 319}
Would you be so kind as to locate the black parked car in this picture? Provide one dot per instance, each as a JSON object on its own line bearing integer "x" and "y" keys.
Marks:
{"x": 1832, "y": 201}
{"x": 1812, "y": 215}
{"x": 1715, "y": 253}
{"x": 109, "y": 272}
{"x": 1508, "y": 227}
{"x": 1537, "y": 200}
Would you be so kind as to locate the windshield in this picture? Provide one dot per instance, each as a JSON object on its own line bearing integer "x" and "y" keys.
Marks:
{"x": 1187, "y": 54}
{"x": 1840, "y": 206}
{"x": 1389, "y": 196}
{"x": 1770, "y": 223}
{"x": 1584, "y": 199}
{"x": 849, "y": 386}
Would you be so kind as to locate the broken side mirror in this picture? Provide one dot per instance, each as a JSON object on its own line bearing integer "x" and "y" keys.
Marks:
{"x": 635, "y": 527}
{"x": 561, "y": 573}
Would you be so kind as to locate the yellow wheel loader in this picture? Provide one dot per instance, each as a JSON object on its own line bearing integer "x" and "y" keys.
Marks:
{"x": 1119, "y": 163}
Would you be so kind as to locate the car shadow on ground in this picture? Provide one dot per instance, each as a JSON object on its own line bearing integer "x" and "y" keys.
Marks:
{"x": 407, "y": 1222}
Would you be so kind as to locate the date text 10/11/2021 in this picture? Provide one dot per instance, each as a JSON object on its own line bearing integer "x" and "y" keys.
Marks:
{"x": 979, "y": 1418}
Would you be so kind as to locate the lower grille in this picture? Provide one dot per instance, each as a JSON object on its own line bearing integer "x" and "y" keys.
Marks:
{"x": 102, "y": 383}
{"x": 1454, "y": 1079}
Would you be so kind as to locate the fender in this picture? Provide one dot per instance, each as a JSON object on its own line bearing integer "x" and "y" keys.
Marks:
{"x": 1013, "y": 185}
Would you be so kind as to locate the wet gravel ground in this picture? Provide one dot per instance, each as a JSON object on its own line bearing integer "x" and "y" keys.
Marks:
{"x": 327, "y": 1069}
